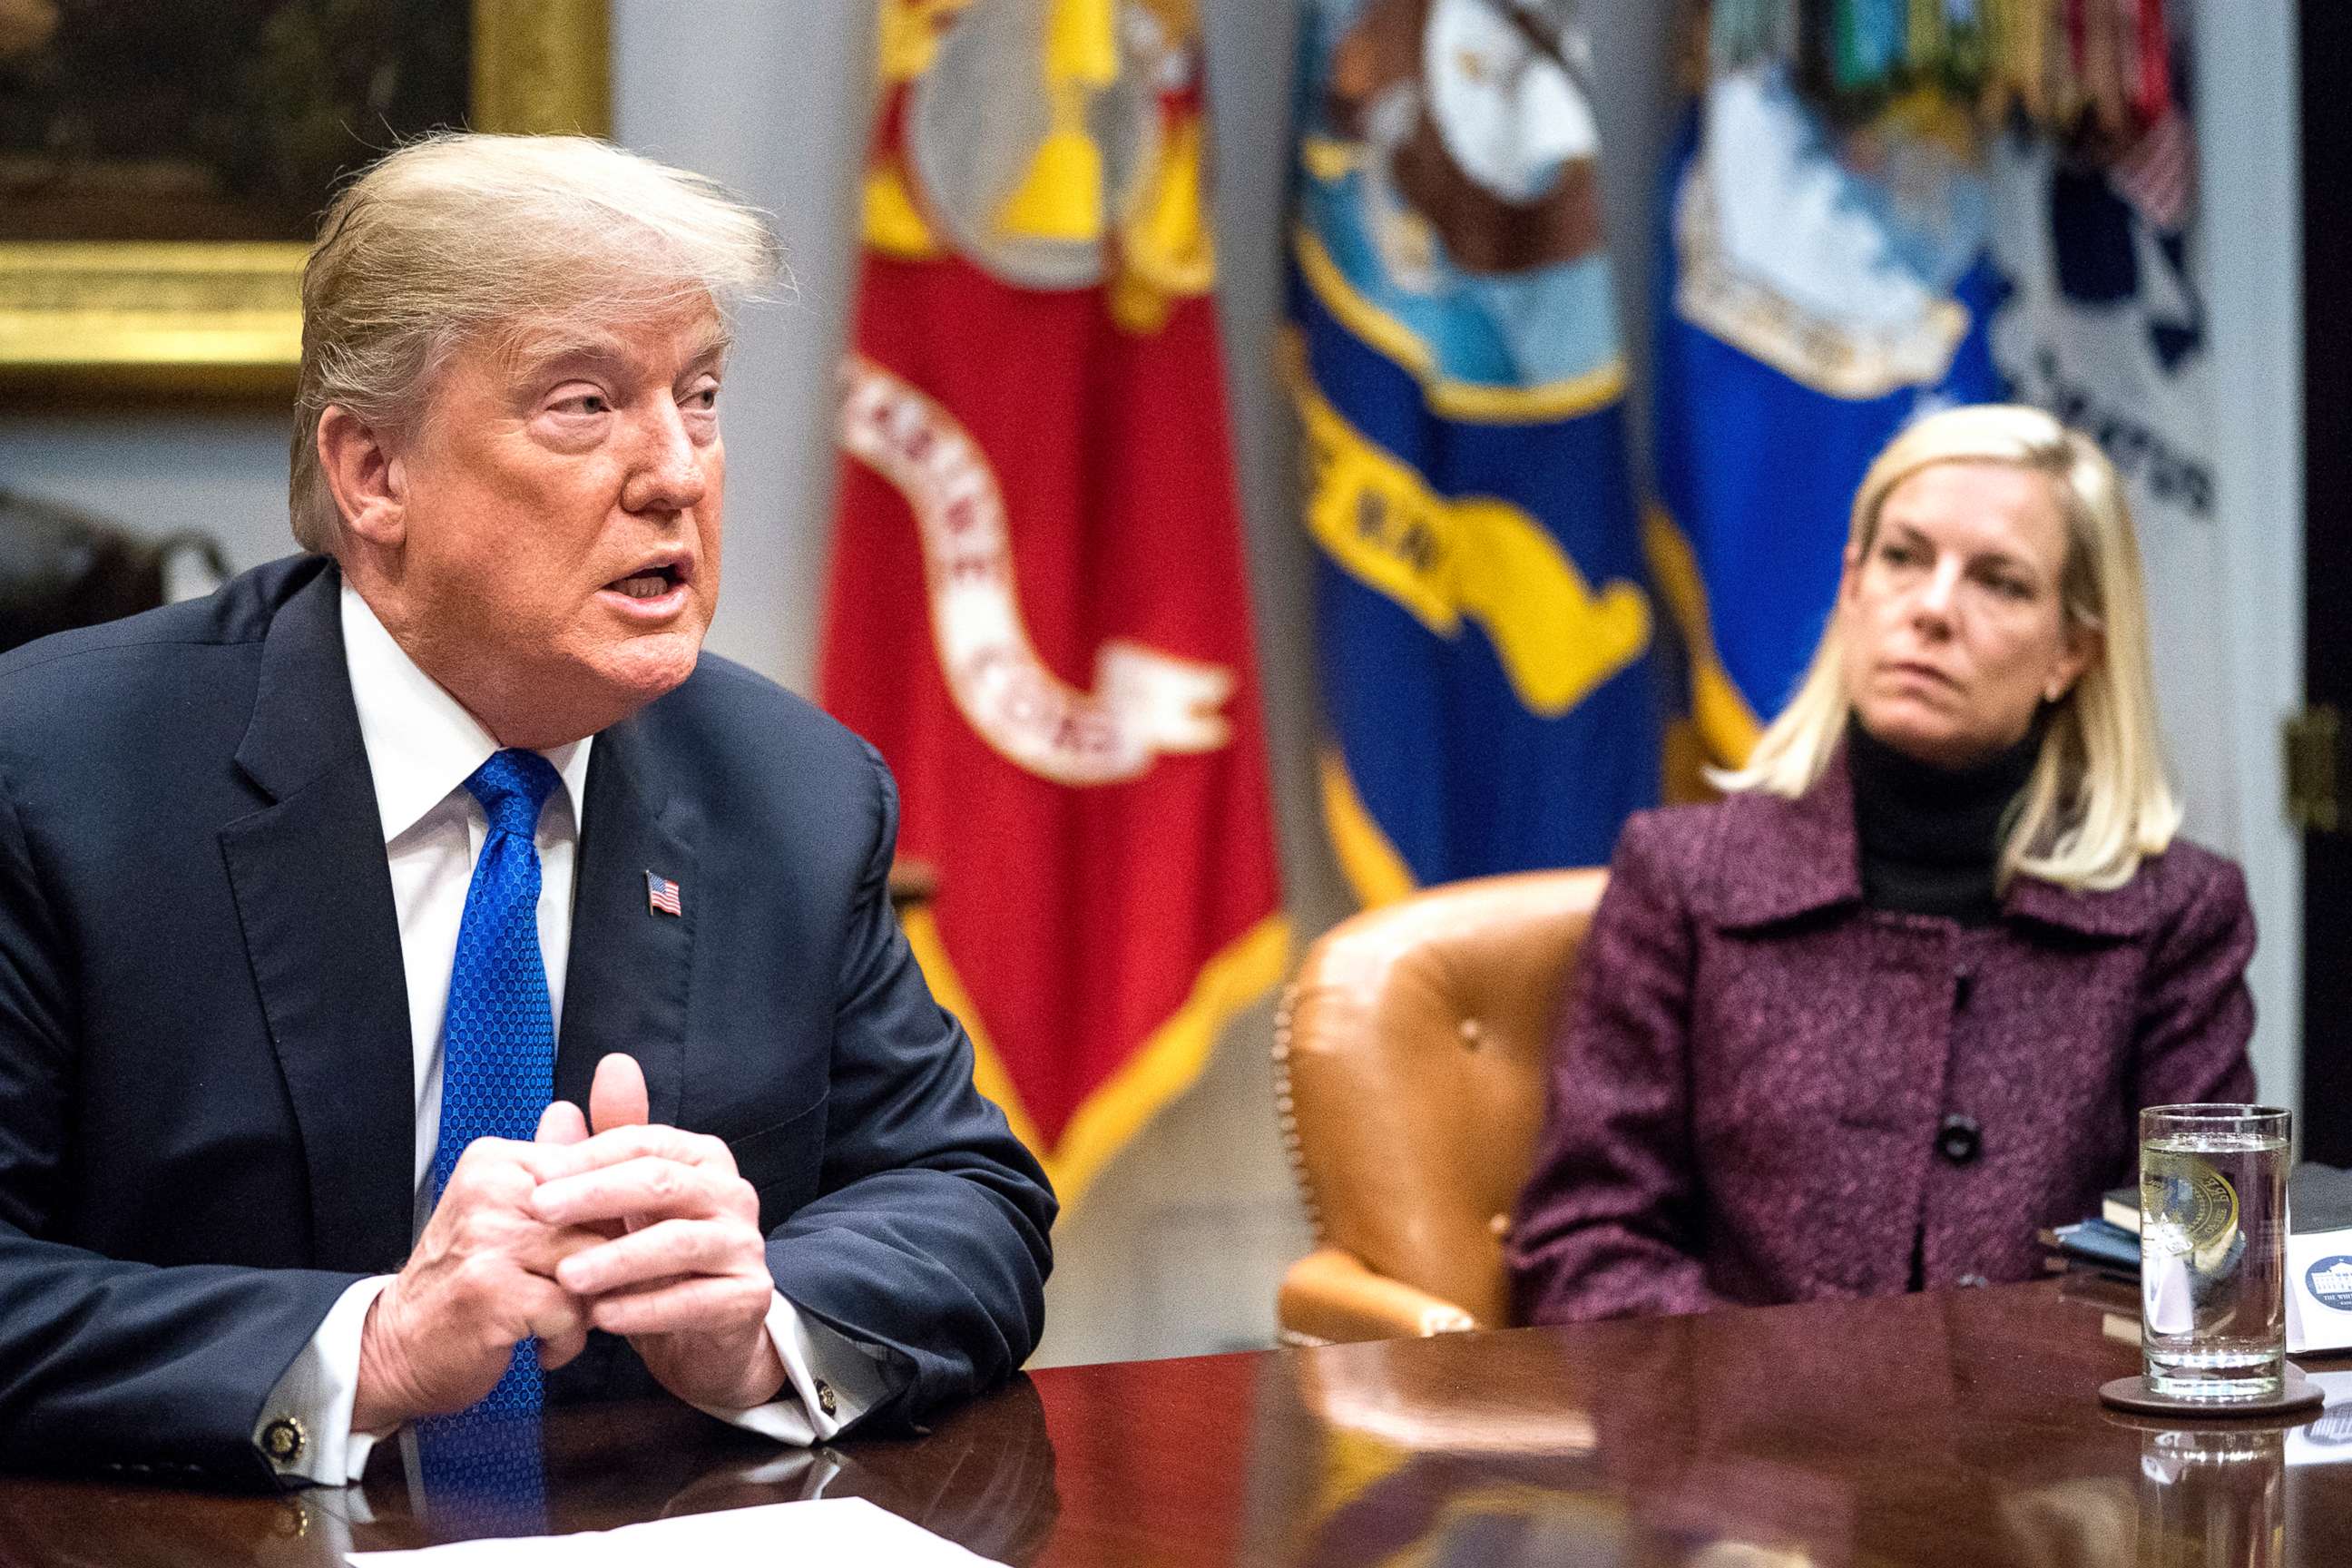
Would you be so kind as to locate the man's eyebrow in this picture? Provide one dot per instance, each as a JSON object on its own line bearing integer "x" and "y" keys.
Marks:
{"x": 592, "y": 348}
{"x": 718, "y": 341}
{"x": 548, "y": 358}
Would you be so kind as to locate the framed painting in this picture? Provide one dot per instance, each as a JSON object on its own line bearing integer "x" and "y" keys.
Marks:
{"x": 163, "y": 164}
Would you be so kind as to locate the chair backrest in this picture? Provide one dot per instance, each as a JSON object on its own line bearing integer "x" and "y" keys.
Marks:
{"x": 1409, "y": 1059}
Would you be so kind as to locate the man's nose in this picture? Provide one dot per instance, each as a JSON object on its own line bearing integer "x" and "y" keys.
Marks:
{"x": 668, "y": 474}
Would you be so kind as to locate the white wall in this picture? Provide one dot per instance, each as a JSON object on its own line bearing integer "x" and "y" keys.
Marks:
{"x": 2250, "y": 143}
{"x": 1179, "y": 1246}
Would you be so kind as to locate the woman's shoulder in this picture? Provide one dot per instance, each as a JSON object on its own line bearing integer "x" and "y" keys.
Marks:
{"x": 1674, "y": 836}
{"x": 2186, "y": 881}
{"x": 2187, "y": 874}
{"x": 1748, "y": 852}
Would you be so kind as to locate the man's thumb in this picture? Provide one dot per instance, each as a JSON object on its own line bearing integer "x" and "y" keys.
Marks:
{"x": 618, "y": 1098}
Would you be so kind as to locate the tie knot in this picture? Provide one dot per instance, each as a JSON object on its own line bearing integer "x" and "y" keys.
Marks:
{"x": 512, "y": 786}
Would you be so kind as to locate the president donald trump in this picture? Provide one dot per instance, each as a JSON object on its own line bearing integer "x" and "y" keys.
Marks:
{"x": 430, "y": 988}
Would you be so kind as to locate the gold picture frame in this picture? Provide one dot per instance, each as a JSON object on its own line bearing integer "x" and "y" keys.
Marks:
{"x": 83, "y": 321}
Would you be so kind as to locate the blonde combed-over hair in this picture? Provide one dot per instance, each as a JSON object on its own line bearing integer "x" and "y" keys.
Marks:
{"x": 2097, "y": 801}
{"x": 464, "y": 234}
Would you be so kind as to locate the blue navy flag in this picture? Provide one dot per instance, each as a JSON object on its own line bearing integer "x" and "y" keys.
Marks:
{"x": 1485, "y": 633}
{"x": 1810, "y": 305}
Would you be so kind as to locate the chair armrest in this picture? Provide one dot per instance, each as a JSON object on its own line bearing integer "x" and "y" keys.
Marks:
{"x": 1329, "y": 1297}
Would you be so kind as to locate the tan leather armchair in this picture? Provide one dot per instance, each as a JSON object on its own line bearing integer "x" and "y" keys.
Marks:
{"x": 1409, "y": 1074}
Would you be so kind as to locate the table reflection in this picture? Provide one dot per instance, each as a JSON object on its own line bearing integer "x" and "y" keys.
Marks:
{"x": 1926, "y": 1432}
{"x": 2213, "y": 1496}
{"x": 984, "y": 1480}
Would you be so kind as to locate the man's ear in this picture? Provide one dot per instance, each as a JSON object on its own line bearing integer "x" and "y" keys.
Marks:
{"x": 365, "y": 475}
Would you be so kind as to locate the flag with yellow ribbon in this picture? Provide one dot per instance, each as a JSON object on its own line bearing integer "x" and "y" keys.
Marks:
{"x": 1037, "y": 610}
{"x": 1484, "y": 633}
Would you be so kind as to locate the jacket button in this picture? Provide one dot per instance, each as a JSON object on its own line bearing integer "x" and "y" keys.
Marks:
{"x": 1959, "y": 1139}
{"x": 1972, "y": 1281}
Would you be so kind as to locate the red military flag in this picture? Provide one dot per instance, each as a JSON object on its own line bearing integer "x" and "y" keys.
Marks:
{"x": 1037, "y": 608}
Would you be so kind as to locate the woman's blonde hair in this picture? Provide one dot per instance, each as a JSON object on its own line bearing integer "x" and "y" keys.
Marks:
{"x": 2096, "y": 801}
{"x": 462, "y": 234}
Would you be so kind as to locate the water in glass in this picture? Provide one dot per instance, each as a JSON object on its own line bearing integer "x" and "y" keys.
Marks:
{"x": 2212, "y": 1263}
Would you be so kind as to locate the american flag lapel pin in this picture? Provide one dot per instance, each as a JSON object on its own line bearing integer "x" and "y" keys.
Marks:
{"x": 661, "y": 895}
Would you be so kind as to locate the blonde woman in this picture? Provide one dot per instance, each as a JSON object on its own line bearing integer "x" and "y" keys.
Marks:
{"x": 1865, "y": 1024}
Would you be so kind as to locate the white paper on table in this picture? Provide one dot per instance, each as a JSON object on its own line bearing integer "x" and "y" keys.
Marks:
{"x": 2319, "y": 1291}
{"x": 828, "y": 1529}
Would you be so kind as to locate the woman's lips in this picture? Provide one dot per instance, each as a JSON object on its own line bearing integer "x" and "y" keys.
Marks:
{"x": 1921, "y": 675}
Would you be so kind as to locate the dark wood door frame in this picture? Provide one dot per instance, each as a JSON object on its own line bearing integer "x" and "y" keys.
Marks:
{"x": 2327, "y": 45}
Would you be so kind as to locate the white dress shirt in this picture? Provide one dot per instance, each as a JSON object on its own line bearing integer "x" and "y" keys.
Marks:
{"x": 422, "y": 746}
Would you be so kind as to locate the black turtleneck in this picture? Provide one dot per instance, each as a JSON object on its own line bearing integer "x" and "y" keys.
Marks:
{"x": 1930, "y": 836}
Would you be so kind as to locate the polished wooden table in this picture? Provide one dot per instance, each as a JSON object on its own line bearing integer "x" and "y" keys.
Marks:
{"x": 1960, "y": 1428}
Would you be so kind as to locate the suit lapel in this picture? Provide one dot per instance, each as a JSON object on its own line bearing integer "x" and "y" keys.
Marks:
{"x": 314, "y": 897}
{"x": 627, "y": 983}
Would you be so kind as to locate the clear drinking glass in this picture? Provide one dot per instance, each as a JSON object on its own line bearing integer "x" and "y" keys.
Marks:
{"x": 2212, "y": 1250}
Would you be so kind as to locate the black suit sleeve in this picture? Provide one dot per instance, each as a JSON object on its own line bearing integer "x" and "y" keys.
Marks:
{"x": 929, "y": 1235}
{"x": 107, "y": 1364}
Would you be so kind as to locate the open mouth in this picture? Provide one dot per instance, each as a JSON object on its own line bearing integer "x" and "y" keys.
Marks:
{"x": 650, "y": 584}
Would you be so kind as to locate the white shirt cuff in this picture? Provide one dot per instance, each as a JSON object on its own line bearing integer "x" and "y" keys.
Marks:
{"x": 305, "y": 1428}
{"x": 831, "y": 1381}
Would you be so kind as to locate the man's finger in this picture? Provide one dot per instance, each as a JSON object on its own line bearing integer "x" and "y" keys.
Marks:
{"x": 561, "y": 1123}
{"x": 672, "y": 1248}
{"x": 649, "y": 1188}
{"x": 704, "y": 1305}
{"x": 541, "y": 1249}
{"x": 618, "y": 1098}
{"x": 555, "y": 1350}
{"x": 555, "y": 1316}
{"x": 656, "y": 1141}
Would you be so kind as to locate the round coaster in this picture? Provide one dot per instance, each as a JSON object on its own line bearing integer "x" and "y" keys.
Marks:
{"x": 2296, "y": 1391}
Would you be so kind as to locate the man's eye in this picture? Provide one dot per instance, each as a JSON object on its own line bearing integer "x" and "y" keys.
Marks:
{"x": 583, "y": 402}
{"x": 703, "y": 398}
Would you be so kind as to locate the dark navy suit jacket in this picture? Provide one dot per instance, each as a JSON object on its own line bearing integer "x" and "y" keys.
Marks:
{"x": 206, "y": 1115}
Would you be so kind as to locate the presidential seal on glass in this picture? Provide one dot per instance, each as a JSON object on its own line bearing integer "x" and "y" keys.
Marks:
{"x": 2212, "y": 1250}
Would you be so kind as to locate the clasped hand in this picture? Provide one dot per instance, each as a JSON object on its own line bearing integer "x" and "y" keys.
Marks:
{"x": 641, "y": 1230}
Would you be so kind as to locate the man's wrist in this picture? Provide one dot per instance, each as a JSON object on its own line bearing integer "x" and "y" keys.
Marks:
{"x": 768, "y": 1373}
{"x": 378, "y": 1401}
{"x": 673, "y": 1361}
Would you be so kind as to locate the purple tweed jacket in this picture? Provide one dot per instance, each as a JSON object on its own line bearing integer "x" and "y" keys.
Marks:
{"x": 1764, "y": 1091}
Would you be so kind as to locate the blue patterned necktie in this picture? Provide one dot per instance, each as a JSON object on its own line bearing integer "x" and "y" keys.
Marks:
{"x": 498, "y": 1074}
{"x": 497, "y": 1070}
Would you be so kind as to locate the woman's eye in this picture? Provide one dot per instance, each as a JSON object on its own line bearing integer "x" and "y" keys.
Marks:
{"x": 1899, "y": 555}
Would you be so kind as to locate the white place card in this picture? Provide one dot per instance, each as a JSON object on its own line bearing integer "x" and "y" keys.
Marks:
{"x": 2319, "y": 1291}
